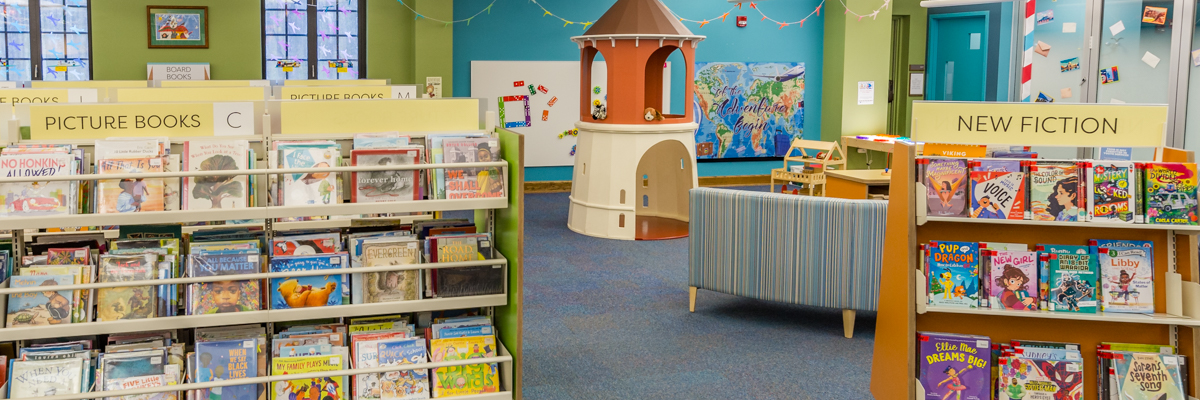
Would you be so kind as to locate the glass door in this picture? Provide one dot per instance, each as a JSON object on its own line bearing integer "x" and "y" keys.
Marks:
{"x": 1135, "y": 51}
{"x": 1058, "y": 46}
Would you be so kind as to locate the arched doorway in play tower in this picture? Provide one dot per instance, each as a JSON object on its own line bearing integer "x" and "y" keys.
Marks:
{"x": 664, "y": 177}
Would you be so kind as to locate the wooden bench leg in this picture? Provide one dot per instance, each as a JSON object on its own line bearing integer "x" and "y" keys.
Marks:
{"x": 848, "y": 323}
{"x": 691, "y": 299}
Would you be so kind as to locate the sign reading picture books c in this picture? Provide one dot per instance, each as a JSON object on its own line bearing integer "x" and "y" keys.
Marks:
{"x": 1026, "y": 124}
{"x": 98, "y": 121}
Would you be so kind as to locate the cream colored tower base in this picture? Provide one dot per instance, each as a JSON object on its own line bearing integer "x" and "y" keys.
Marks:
{"x": 626, "y": 171}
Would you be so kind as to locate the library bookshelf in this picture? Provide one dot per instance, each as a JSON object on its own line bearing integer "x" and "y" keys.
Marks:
{"x": 501, "y": 216}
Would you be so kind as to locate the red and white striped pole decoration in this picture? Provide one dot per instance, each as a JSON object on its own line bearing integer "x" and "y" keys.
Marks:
{"x": 1027, "y": 65}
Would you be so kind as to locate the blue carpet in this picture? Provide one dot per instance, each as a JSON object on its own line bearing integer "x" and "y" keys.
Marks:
{"x": 608, "y": 319}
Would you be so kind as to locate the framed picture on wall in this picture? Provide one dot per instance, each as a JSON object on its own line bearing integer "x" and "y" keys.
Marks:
{"x": 177, "y": 27}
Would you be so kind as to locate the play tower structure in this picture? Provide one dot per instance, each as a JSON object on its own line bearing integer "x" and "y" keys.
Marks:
{"x": 634, "y": 162}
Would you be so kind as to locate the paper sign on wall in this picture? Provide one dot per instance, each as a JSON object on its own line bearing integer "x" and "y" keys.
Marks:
{"x": 433, "y": 87}
{"x": 866, "y": 93}
{"x": 1068, "y": 27}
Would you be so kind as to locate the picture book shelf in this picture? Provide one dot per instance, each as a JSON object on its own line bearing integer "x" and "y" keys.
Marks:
{"x": 903, "y": 303}
{"x": 502, "y": 217}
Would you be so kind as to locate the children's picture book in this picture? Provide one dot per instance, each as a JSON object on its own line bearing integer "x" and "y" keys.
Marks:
{"x": 470, "y": 183}
{"x": 1126, "y": 275}
{"x": 308, "y": 291}
{"x": 45, "y": 378}
{"x": 1148, "y": 376}
{"x": 37, "y": 198}
{"x": 311, "y": 188}
{"x": 68, "y": 256}
{"x": 464, "y": 379}
{"x": 391, "y": 285}
{"x": 403, "y": 385}
{"x": 209, "y": 192}
{"x": 1111, "y": 189}
{"x": 303, "y": 245}
{"x": 1013, "y": 280}
{"x": 130, "y": 195}
{"x": 945, "y": 182}
{"x": 49, "y": 307}
{"x": 1044, "y": 251}
{"x": 380, "y": 140}
{"x": 134, "y": 302}
{"x": 465, "y": 281}
{"x": 954, "y": 366}
{"x": 125, "y": 364}
{"x": 386, "y": 186}
{"x": 225, "y": 360}
{"x": 1171, "y": 193}
{"x": 953, "y": 270}
{"x": 998, "y": 189}
{"x": 1073, "y": 280}
{"x": 1055, "y": 191}
{"x": 224, "y": 296}
{"x": 332, "y": 388}
{"x": 139, "y": 382}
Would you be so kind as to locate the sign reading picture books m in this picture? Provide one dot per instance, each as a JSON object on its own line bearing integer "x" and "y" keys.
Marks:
{"x": 1027, "y": 124}
{"x": 98, "y": 121}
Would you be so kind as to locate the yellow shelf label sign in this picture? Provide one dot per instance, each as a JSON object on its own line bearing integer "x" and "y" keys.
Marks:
{"x": 98, "y": 121}
{"x": 1032, "y": 124}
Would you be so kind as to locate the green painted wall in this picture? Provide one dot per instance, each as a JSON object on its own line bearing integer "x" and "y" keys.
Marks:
{"x": 435, "y": 43}
{"x": 832, "y": 65}
{"x": 918, "y": 22}
{"x": 390, "y": 41}
{"x": 855, "y": 51}
{"x": 119, "y": 39}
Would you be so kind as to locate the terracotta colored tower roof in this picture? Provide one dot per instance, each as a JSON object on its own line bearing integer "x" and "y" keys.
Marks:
{"x": 638, "y": 17}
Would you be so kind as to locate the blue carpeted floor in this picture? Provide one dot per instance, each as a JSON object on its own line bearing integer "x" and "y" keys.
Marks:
{"x": 608, "y": 319}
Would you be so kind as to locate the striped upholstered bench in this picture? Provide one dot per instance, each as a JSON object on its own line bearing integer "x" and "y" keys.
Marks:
{"x": 814, "y": 251}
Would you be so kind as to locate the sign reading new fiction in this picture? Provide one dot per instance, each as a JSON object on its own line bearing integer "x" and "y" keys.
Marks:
{"x": 97, "y": 121}
{"x": 347, "y": 92}
{"x": 1107, "y": 125}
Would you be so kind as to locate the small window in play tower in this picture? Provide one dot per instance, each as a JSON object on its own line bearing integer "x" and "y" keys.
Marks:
{"x": 660, "y": 94}
{"x": 622, "y": 196}
{"x": 645, "y": 181}
{"x": 621, "y": 221}
{"x": 645, "y": 201}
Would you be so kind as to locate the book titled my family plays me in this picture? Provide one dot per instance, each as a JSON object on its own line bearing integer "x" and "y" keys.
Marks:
{"x": 37, "y": 198}
{"x": 470, "y": 183}
{"x": 224, "y": 296}
{"x": 945, "y": 181}
{"x": 134, "y": 302}
{"x": 209, "y": 192}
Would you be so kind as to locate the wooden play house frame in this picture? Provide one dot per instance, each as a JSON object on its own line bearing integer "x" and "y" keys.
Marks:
{"x": 809, "y": 151}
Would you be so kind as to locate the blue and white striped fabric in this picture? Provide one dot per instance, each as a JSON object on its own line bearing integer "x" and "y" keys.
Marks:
{"x": 805, "y": 250}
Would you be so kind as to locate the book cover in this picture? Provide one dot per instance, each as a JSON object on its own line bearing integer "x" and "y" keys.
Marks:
{"x": 1148, "y": 376}
{"x": 1111, "y": 187}
{"x": 391, "y": 285}
{"x": 1054, "y": 191}
{"x": 311, "y": 188}
{"x": 1073, "y": 280}
{"x": 464, "y": 379}
{"x": 1171, "y": 193}
{"x": 69, "y": 256}
{"x": 366, "y": 355}
{"x": 403, "y": 385}
{"x": 50, "y": 307}
{"x": 470, "y": 183}
{"x": 45, "y": 378}
{"x": 224, "y": 296}
{"x": 386, "y": 186}
{"x": 954, "y": 274}
{"x": 434, "y": 144}
{"x": 380, "y": 140}
{"x": 171, "y": 186}
{"x": 26, "y": 199}
{"x": 125, "y": 364}
{"x": 134, "y": 302}
{"x": 209, "y": 192}
{"x": 138, "y": 382}
{"x": 225, "y": 360}
{"x": 308, "y": 291}
{"x": 946, "y": 186}
{"x": 1126, "y": 275}
{"x": 130, "y": 195}
{"x": 1014, "y": 280}
{"x": 302, "y": 245}
{"x": 309, "y": 389}
{"x": 998, "y": 189}
{"x": 955, "y": 366}
{"x": 1025, "y": 378}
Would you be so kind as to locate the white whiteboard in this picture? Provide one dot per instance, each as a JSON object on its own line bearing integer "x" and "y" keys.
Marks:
{"x": 492, "y": 80}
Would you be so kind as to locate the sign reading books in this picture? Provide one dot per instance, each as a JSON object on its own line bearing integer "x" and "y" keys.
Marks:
{"x": 15, "y": 96}
{"x": 96, "y": 121}
{"x": 1025, "y": 124}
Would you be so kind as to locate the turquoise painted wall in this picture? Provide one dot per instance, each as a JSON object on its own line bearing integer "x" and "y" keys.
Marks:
{"x": 518, "y": 31}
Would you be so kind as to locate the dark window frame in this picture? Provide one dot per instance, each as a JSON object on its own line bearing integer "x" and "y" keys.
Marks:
{"x": 313, "y": 58}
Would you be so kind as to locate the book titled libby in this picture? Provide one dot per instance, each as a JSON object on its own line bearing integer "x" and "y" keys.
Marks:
{"x": 1126, "y": 275}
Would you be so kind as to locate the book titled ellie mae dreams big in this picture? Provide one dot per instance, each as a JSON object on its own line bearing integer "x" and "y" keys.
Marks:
{"x": 957, "y": 366}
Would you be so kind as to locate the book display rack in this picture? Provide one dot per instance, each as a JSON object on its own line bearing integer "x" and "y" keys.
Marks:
{"x": 904, "y": 306}
{"x": 501, "y": 217}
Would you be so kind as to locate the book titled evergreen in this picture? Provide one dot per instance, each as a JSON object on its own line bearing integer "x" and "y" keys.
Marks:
{"x": 48, "y": 307}
{"x": 225, "y": 360}
{"x": 25, "y": 199}
{"x": 1073, "y": 280}
{"x": 403, "y": 385}
{"x": 1111, "y": 190}
{"x": 997, "y": 189}
{"x": 954, "y": 274}
{"x": 308, "y": 291}
{"x": 209, "y": 192}
{"x": 1171, "y": 193}
{"x": 224, "y": 296}
{"x": 946, "y": 186}
{"x": 1126, "y": 275}
{"x": 391, "y": 285}
{"x": 133, "y": 302}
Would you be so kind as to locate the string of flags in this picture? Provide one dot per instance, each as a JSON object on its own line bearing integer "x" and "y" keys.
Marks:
{"x": 487, "y": 9}
{"x": 565, "y": 21}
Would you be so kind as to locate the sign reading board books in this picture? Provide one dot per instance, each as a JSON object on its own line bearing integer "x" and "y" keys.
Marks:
{"x": 98, "y": 121}
{"x": 1025, "y": 124}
